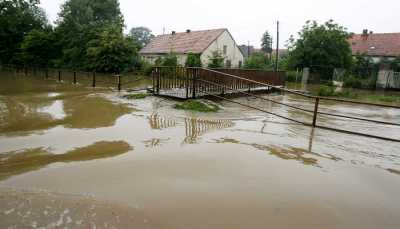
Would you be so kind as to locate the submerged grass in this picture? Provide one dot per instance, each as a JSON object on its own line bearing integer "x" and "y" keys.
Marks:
{"x": 136, "y": 96}
{"x": 195, "y": 105}
{"x": 327, "y": 91}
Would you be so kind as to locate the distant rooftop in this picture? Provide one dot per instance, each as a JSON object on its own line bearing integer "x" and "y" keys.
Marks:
{"x": 376, "y": 44}
{"x": 186, "y": 42}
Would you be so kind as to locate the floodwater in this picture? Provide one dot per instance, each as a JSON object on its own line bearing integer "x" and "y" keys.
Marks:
{"x": 77, "y": 157}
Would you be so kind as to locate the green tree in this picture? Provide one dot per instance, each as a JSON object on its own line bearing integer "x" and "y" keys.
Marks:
{"x": 143, "y": 35}
{"x": 320, "y": 45}
{"x": 193, "y": 60}
{"x": 38, "y": 48}
{"x": 266, "y": 43}
{"x": 80, "y": 22}
{"x": 111, "y": 52}
{"x": 395, "y": 65}
{"x": 216, "y": 60}
{"x": 18, "y": 18}
{"x": 258, "y": 61}
{"x": 170, "y": 60}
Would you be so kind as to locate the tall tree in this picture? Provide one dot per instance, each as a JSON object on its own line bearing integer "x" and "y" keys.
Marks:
{"x": 38, "y": 48}
{"x": 81, "y": 21}
{"x": 18, "y": 18}
{"x": 143, "y": 35}
{"x": 266, "y": 43}
{"x": 323, "y": 45}
{"x": 111, "y": 51}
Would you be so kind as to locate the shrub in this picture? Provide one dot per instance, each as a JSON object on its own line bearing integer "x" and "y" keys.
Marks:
{"x": 193, "y": 60}
{"x": 216, "y": 60}
{"x": 135, "y": 96}
{"x": 352, "y": 82}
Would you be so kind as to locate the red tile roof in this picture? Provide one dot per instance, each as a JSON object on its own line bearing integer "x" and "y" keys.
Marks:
{"x": 376, "y": 44}
{"x": 192, "y": 42}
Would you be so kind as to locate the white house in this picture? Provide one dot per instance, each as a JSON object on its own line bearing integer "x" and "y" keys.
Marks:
{"x": 203, "y": 43}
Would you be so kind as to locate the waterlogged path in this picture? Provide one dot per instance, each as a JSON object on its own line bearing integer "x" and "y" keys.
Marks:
{"x": 80, "y": 158}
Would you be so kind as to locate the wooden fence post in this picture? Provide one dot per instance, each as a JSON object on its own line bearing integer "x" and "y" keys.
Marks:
{"x": 74, "y": 77}
{"x": 94, "y": 79}
{"x": 315, "y": 112}
{"x": 119, "y": 82}
{"x": 46, "y": 73}
{"x": 59, "y": 76}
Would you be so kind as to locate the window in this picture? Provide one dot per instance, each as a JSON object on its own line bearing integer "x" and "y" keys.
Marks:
{"x": 225, "y": 49}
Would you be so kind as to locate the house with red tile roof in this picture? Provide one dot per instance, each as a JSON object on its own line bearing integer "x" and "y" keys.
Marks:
{"x": 203, "y": 42}
{"x": 376, "y": 45}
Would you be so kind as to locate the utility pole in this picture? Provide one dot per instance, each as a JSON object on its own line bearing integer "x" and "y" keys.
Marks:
{"x": 277, "y": 46}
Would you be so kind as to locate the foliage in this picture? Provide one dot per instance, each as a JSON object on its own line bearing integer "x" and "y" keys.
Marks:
{"x": 291, "y": 76}
{"x": 38, "y": 48}
{"x": 142, "y": 35}
{"x": 193, "y": 60}
{"x": 216, "y": 60}
{"x": 395, "y": 65}
{"x": 195, "y": 105}
{"x": 18, "y": 18}
{"x": 170, "y": 60}
{"x": 258, "y": 61}
{"x": 320, "y": 45}
{"x": 363, "y": 66}
{"x": 352, "y": 82}
{"x": 111, "y": 52}
{"x": 266, "y": 42}
{"x": 80, "y": 22}
{"x": 136, "y": 96}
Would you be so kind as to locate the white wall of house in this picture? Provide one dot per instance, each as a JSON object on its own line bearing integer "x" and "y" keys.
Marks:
{"x": 233, "y": 53}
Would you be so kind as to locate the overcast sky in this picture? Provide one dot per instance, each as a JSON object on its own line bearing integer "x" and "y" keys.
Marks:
{"x": 247, "y": 20}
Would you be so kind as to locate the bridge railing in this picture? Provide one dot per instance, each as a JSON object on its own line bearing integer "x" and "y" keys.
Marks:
{"x": 316, "y": 100}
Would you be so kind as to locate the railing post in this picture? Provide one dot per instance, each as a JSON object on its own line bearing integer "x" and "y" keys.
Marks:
{"x": 74, "y": 77}
{"x": 94, "y": 79}
{"x": 47, "y": 74}
{"x": 315, "y": 112}
{"x": 59, "y": 76}
{"x": 194, "y": 76}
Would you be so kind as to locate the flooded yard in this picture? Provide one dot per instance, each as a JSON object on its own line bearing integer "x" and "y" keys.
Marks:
{"x": 77, "y": 157}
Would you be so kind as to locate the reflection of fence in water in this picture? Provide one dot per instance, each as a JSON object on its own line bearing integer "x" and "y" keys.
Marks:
{"x": 158, "y": 123}
{"x": 197, "y": 127}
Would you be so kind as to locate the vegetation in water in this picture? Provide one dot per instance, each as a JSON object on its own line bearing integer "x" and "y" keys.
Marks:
{"x": 196, "y": 105}
{"x": 136, "y": 96}
{"x": 329, "y": 91}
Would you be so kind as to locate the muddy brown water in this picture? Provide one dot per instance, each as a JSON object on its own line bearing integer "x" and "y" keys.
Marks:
{"x": 72, "y": 156}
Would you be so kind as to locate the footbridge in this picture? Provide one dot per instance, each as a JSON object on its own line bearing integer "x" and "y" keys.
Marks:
{"x": 223, "y": 84}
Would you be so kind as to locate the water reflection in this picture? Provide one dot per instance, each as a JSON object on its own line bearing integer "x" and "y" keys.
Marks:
{"x": 291, "y": 153}
{"x": 19, "y": 162}
{"x": 155, "y": 142}
{"x": 158, "y": 122}
{"x": 20, "y": 115}
{"x": 197, "y": 127}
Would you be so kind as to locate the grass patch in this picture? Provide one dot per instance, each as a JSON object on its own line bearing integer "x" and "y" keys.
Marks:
{"x": 326, "y": 91}
{"x": 196, "y": 105}
{"x": 136, "y": 96}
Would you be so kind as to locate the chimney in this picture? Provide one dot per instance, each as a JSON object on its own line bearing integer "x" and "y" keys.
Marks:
{"x": 173, "y": 32}
{"x": 365, "y": 34}
{"x": 188, "y": 31}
